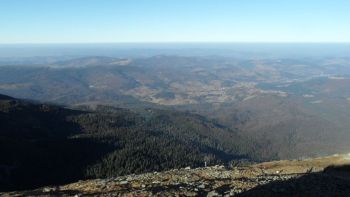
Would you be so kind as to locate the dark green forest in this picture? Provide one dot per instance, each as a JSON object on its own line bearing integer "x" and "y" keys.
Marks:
{"x": 43, "y": 144}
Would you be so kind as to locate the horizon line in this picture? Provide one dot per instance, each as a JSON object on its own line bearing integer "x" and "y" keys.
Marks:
{"x": 180, "y": 42}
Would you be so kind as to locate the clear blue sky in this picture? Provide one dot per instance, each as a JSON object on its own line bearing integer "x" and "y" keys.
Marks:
{"x": 81, "y": 21}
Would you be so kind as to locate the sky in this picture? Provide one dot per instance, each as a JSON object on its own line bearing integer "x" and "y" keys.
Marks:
{"x": 115, "y": 21}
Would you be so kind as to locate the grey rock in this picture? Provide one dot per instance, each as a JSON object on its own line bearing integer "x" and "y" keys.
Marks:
{"x": 212, "y": 194}
{"x": 124, "y": 182}
{"x": 47, "y": 189}
{"x": 202, "y": 186}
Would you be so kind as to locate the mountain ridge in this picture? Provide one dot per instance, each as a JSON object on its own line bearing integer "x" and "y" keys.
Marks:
{"x": 59, "y": 145}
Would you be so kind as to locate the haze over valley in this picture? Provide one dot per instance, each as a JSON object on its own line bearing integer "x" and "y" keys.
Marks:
{"x": 291, "y": 107}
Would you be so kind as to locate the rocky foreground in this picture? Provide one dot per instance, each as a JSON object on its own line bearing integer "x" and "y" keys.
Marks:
{"x": 309, "y": 177}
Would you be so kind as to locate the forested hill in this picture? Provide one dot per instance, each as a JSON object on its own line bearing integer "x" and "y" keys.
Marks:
{"x": 59, "y": 145}
{"x": 4, "y": 97}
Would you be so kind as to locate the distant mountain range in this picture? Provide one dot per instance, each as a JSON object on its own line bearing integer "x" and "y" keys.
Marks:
{"x": 98, "y": 116}
{"x": 290, "y": 107}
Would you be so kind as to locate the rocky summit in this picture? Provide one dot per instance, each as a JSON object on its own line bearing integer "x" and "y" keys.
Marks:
{"x": 324, "y": 176}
